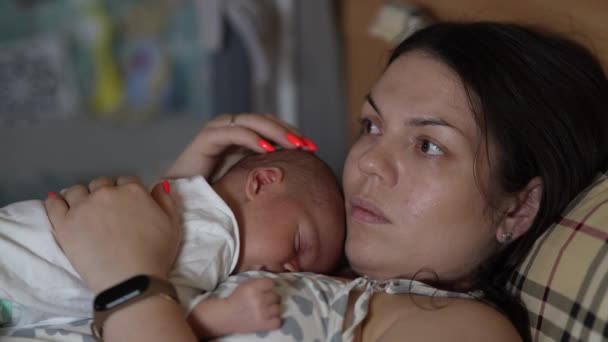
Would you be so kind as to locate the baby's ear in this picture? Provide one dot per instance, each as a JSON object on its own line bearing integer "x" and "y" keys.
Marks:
{"x": 264, "y": 179}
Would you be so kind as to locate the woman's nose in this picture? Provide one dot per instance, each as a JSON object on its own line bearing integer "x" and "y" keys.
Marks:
{"x": 377, "y": 162}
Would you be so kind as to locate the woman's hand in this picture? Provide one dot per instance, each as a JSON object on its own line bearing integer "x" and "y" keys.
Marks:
{"x": 213, "y": 150}
{"x": 112, "y": 232}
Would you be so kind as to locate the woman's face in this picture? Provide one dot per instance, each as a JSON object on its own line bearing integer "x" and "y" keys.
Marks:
{"x": 413, "y": 200}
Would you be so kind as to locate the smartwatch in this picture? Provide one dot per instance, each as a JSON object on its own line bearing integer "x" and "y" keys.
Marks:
{"x": 126, "y": 293}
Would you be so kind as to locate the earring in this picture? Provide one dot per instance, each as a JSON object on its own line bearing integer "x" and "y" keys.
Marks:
{"x": 506, "y": 237}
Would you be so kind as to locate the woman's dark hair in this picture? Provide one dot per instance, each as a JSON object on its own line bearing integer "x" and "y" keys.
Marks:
{"x": 543, "y": 100}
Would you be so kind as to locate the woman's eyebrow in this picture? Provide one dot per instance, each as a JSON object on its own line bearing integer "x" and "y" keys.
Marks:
{"x": 372, "y": 103}
{"x": 429, "y": 122}
{"x": 418, "y": 122}
{"x": 433, "y": 121}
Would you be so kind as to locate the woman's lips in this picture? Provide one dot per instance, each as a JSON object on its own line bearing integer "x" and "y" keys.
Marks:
{"x": 365, "y": 211}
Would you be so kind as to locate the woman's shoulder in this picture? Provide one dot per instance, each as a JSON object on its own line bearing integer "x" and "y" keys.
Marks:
{"x": 436, "y": 319}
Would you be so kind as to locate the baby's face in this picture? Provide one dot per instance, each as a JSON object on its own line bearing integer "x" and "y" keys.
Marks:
{"x": 293, "y": 235}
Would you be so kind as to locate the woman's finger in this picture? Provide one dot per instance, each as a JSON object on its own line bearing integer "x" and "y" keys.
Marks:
{"x": 245, "y": 118}
{"x": 122, "y": 180}
{"x": 100, "y": 182}
{"x": 75, "y": 194}
{"x": 267, "y": 126}
{"x": 271, "y": 128}
{"x": 162, "y": 195}
{"x": 56, "y": 209}
{"x": 290, "y": 127}
{"x": 242, "y": 136}
{"x": 292, "y": 137}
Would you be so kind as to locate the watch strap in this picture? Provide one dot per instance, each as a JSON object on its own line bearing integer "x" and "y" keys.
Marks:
{"x": 126, "y": 293}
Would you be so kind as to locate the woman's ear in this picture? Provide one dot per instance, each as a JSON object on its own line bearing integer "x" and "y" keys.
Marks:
{"x": 262, "y": 180}
{"x": 521, "y": 212}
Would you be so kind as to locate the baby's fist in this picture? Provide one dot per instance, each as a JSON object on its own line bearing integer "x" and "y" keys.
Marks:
{"x": 257, "y": 306}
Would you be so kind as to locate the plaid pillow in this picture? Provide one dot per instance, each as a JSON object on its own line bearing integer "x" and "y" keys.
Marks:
{"x": 564, "y": 280}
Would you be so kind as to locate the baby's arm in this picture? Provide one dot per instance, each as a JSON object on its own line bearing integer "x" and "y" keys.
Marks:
{"x": 252, "y": 307}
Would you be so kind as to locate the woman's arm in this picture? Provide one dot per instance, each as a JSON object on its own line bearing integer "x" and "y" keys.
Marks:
{"x": 113, "y": 232}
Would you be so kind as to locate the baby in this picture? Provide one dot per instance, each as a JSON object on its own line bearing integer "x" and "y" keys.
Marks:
{"x": 277, "y": 212}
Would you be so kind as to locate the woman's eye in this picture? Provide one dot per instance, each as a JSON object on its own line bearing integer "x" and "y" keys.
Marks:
{"x": 430, "y": 148}
{"x": 369, "y": 127}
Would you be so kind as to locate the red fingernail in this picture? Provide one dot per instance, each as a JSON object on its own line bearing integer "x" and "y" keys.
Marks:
{"x": 309, "y": 144}
{"x": 166, "y": 187}
{"x": 294, "y": 140}
{"x": 265, "y": 145}
{"x": 51, "y": 194}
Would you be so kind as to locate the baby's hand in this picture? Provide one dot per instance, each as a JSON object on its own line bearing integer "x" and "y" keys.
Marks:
{"x": 252, "y": 307}
{"x": 256, "y": 306}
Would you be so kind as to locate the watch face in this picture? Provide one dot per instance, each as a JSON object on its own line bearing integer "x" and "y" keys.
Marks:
{"x": 121, "y": 293}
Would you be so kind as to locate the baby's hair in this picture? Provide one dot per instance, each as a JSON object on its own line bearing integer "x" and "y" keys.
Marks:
{"x": 305, "y": 172}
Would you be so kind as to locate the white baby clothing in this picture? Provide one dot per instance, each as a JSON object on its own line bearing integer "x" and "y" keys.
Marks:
{"x": 36, "y": 275}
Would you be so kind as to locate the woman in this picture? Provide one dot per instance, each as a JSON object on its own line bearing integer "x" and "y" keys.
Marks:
{"x": 473, "y": 141}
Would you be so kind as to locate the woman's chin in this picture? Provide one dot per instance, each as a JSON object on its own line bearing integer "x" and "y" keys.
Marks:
{"x": 364, "y": 259}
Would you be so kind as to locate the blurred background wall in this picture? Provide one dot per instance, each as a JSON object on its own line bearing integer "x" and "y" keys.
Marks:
{"x": 110, "y": 87}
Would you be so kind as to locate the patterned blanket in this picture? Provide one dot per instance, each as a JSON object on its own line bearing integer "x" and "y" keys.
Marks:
{"x": 60, "y": 330}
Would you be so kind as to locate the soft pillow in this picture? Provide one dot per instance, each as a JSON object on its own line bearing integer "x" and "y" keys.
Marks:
{"x": 564, "y": 280}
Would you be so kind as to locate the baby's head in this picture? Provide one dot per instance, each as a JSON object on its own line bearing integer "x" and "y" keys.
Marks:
{"x": 290, "y": 211}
